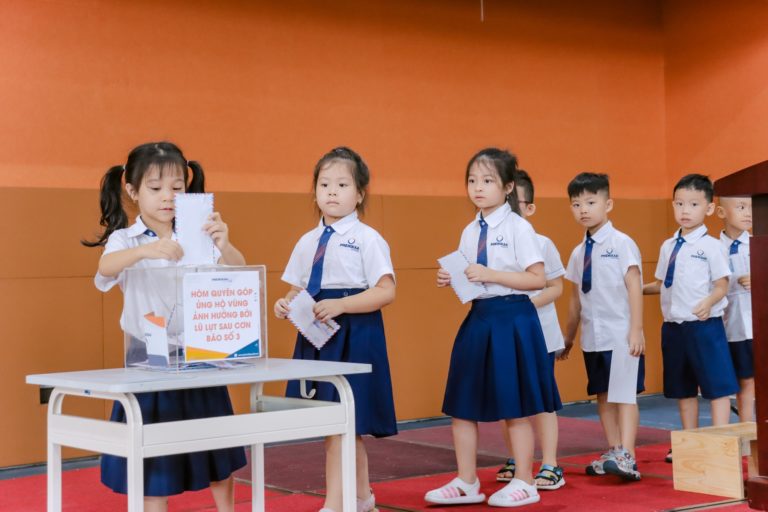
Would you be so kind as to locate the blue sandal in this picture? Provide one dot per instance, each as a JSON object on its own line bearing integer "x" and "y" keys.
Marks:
{"x": 507, "y": 472}
{"x": 552, "y": 474}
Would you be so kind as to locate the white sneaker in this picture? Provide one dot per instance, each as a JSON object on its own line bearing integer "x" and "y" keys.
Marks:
{"x": 456, "y": 492}
{"x": 515, "y": 494}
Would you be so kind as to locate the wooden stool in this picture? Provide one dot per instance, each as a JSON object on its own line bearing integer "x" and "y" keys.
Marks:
{"x": 708, "y": 460}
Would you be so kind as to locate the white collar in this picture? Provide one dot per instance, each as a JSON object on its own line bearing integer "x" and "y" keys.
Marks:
{"x": 137, "y": 228}
{"x": 743, "y": 237}
{"x": 694, "y": 235}
{"x": 602, "y": 233}
{"x": 497, "y": 216}
{"x": 341, "y": 226}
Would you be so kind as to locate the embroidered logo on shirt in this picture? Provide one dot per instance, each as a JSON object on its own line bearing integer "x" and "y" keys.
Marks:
{"x": 500, "y": 242}
{"x": 699, "y": 255}
{"x": 609, "y": 253}
{"x": 350, "y": 244}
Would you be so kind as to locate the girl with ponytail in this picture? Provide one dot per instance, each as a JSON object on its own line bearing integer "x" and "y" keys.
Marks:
{"x": 151, "y": 177}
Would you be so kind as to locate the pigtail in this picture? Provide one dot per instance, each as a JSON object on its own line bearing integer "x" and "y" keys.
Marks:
{"x": 197, "y": 183}
{"x": 113, "y": 216}
{"x": 514, "y": 204}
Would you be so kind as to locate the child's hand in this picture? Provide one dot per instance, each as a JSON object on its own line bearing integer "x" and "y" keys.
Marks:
{"x": 163, "y": 249}
{"x": 478, "y": 273}
{"x": 281, "y": 308}
{"x": 564, "y": 353}
{"x": 702, "y": 310}
{"x": 218, "y": 230}
{"x": 745, "y": 281}
{"x": 328, "y": 308}
{"x": 443, "y": 278}
{"x": 636, "y": 344}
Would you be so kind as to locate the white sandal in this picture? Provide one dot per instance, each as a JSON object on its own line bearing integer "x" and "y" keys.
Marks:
{"x": 456, "y": 492}
{"x": 367, "y": 505}
{"x": 515, "y": 494}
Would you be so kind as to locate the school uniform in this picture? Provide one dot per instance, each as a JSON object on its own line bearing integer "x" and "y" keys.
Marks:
{"x": 607, "y": 256}
{"x": 550, "y": 326}
{"x": 695, "y": 352}
{"x": 738, "y": 312}
{"x": 355, "y": 258}
{"x": 171, "y": 474}
{"x": 499, "y": 366}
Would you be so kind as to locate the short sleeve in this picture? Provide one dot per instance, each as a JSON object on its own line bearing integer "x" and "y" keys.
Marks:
{"x": 377, "y": 262}
{"x": 661, "y": 266}
{"x": 718, "y": 263}
{"x": 630, "y": 256}
{"x": 117, "y": 241}
{"x": 572, "y": 272}
{"x": 553, "y": 265}
{"x": 297, "y": 270}
{"x": 527, "y": 251}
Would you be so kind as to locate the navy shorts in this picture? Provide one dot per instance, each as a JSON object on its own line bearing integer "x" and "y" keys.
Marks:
{"x": 598, "y": 365}
{"x": 696, "y": 356}
{"x": 743, "y": 362}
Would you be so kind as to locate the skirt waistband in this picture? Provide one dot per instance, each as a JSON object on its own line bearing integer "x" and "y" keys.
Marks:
{"x": 337, "y": 293}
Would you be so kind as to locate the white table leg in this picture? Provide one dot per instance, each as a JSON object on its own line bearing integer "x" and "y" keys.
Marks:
{"x": 257, "y": 459}
{"x": 135, "y": 459}
{"x": 54, "y": 455}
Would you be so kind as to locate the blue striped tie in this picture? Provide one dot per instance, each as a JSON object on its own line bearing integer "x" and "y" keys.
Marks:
{"x": 671, "y": 267}
{"x": 734, "y": 248}
{"x": 482, "y": 243}
{"x": 586, "y": 276}
{"x": 316, "y": 276}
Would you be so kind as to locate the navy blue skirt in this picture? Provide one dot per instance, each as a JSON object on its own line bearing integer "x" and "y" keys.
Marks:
{"x": 500, "y": 368}
{"x": 174, "y": 474}
{"x": 359, "y": 340}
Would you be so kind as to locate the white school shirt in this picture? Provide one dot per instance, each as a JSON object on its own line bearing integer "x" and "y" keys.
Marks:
{"x": 511, "y": 246}
{"x": 605, "y": 309}
{"x": 143, "y": 301}
{"x": 553, "y": 268}
{"x": 699, "y": 262}
{"x": 738, "y": 313}
{"x": 356, "y": 256}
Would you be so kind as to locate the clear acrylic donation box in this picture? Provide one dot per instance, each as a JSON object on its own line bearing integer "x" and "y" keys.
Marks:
{"x": 179, "y": 318}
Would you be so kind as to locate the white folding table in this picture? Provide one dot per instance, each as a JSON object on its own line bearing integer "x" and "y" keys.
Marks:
{"x": 271, "y": 419}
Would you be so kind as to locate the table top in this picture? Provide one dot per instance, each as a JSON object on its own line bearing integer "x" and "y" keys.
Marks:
{"x": 135, "y": 380}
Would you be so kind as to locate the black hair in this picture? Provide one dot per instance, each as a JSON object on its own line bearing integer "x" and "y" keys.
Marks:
{"x": 524, "y": 182}
{"x": 505, "y": 164}
{"x": 360, "y": 172}
{"x": 163, "y": 155}
{"x": 696, "y": 182}
{"x": 589, "y": 182}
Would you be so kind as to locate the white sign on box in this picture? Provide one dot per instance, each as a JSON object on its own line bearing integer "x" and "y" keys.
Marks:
{"x": 192, "y": 212}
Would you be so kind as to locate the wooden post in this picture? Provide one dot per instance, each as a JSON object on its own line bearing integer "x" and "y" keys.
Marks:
{"x": 753, "y": 181}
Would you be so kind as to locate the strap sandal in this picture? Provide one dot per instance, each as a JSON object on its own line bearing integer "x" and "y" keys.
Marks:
{"x": 507, "y": 472}
{"x": 515, "y": 494}
{"x": 552, "y": 475}
{"x": 456, "y": 492}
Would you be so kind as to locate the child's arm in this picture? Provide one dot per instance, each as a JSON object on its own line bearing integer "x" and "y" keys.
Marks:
{"x": 574, "y": 318}
{"x": 634, "y": 285}
{"x": 281, "y": 306}
{"x": 652, "y": 288}
{"x": 719, "y": 290}
{"x": 533, "y": 278}
{"x": 111, "y": 264}
{"x": 219, "y": 231}
{"x": 370, "y": 300}
{"x": 553, "y": 289}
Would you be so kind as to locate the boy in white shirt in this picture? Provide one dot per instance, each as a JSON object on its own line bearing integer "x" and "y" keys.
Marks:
{"x": 607, "y": 301}
{"x": 692, "y": 277}
{"x": 736, "y": 213}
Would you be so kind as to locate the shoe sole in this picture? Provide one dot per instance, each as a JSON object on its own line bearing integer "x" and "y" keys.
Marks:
{"x": 614, "y": 469}
{"x": 462, "y": 500}
{"x": 552, "y": 487}
{"x": 591, "y": 471}
{"x": 503, "y": 479}
{"x": 509, "y": 504}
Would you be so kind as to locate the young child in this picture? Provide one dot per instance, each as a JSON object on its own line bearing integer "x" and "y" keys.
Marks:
{"x": 692, "y": 277}
{"x": 736, "y": 213}
{"x": 550, "y": 475}
{"x": 153, "y": 174}
{"x": 499, "y": 366}
{"x": 607, "y": 300}
{"x": 345, "y": 265}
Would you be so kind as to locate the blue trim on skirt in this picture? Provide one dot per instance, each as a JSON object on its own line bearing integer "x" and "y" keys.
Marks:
{"x": 174, "y": 474}
{"x": 500, "y": 367}
{"x": 359, "y": 340}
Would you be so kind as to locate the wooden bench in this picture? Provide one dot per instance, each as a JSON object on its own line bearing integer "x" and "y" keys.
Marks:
{"x": 708, "y": 460}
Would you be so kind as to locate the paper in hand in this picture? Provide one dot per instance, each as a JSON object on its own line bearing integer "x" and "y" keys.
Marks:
{"x": 455, "y": 264}
{"x": 622, "y": 383}
{"x": 303, "y": 318}
{"x": 192, "y": 212}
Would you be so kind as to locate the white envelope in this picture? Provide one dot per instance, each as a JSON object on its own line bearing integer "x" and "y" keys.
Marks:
{"x": 455, "y": 264}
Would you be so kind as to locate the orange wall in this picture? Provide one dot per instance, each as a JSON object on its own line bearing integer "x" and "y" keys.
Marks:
{"x": 257, "y": 91}
{"x": 716, "y": 86}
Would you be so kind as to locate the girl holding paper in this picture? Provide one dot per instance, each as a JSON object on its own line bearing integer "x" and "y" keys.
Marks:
{"x": 499, "y": 368}
{"x": 345, "y": 266}
{"x": 153, "y": 174}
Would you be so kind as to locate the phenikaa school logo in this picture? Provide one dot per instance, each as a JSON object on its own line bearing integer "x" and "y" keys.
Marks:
{"x": 350, "y": 244}
{"x": 699, "y": 255}
{"x": 500, "y": 242}
{"x": 610, "y": 253}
